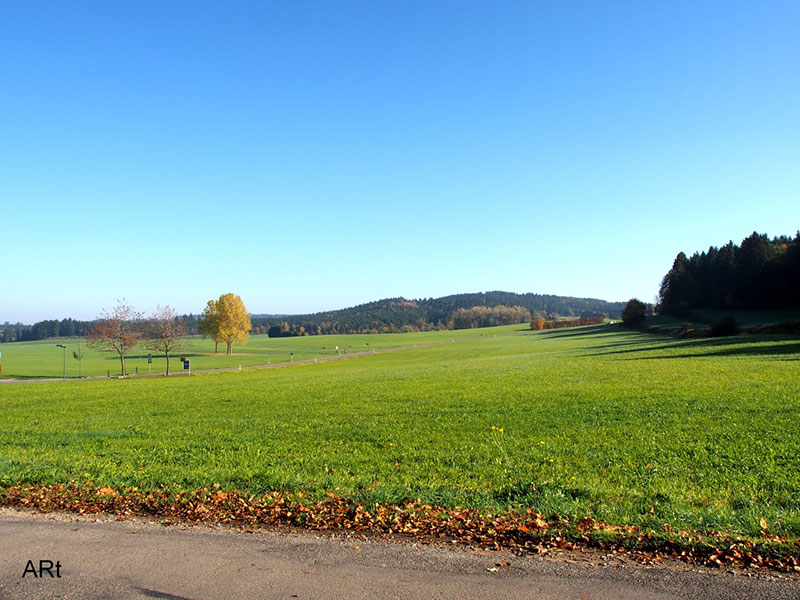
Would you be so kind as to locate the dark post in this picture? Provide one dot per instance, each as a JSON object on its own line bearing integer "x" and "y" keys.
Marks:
{"x": 65, "y": 359}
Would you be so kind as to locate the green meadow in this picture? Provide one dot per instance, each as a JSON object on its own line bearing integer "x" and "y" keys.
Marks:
{"x": 43, "y": 359}
{"x": 671, "y": 435}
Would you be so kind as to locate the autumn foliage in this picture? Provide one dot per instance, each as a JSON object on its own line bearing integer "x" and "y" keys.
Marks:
{"x": 540, "y": 323}
{"x": 522, "y": 531}
{"x": 489, "y": 316}
{"x": 226, "y": 320}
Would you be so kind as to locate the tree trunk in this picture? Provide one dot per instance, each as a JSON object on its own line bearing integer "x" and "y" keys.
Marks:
{"x": 229, "y": 348}
{"x": 167, "y": 355}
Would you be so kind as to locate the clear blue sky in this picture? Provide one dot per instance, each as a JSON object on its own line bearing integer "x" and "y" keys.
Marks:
{"x": 312, "y": 156}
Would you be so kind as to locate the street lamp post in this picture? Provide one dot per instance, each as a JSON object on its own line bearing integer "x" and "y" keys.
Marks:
{"x": 65, "y": 359}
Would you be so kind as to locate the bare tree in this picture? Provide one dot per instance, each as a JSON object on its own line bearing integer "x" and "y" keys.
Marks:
{"x": 164, "y": 332}
{"x": 118, "y": 331}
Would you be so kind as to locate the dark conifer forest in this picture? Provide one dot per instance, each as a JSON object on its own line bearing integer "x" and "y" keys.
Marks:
{"x": 760, "y": 273}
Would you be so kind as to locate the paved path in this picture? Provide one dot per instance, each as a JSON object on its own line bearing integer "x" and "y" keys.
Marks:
{"x": 141, "y": 559}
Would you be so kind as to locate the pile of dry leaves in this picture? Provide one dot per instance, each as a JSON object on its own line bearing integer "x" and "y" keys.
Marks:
{"x": 520, "y": 531}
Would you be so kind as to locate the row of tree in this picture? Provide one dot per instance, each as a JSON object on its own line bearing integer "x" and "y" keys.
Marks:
{"x": 761, "y": 273}
{"x": 489, "y": 316}
{"x": 43, "y": 330}
{"x": 540, "y": 323}
{"x": 121, "y": 330}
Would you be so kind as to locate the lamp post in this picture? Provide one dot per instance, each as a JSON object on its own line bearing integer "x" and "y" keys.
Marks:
{"x": 65, "y": 359}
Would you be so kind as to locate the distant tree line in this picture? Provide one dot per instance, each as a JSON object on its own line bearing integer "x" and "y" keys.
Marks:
{"x": 489, "y": 316}
{"x": 393, "y": 315}
{"x": 761, "y": 273}
{"x": 45, "y": 329}
{"x": 540, "y": 323}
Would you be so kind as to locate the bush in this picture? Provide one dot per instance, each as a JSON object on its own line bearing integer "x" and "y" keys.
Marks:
{"x": 724, "y": 327}
{"x": 537, "y": 324}
{"x": 633, "y": 313}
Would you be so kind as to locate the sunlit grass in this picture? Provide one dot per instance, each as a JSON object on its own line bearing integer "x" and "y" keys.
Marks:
{"x": 43, "y": 359}
{"x": 627, "y": 427}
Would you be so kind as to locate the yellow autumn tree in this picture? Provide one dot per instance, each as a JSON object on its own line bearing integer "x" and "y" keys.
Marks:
{"x": 538, "y": 324}
{"x": 209, "y": 323}
{"x": 232, "y": 321}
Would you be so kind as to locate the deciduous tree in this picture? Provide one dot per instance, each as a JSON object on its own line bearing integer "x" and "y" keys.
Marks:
{"x": 233, "y": 320}
{"x": 165, "y": 333}
{"x": 118, "y": 331}
{"x": 538, "y": 324}
{"x": 209, "y": 323}
{"x": 633, "y": 313}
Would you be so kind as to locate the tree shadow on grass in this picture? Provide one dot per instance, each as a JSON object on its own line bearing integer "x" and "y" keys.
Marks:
{"x": 777, "y": 348}
{"x": 775, "y": 352}
{"x": 31, "y": 377}
{"x": 607, "y": 336}
{"x": 576, "y": 331}
{"x": 175, "y": 355}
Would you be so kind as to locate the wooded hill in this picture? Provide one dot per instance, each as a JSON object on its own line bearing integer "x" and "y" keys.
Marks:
{"x": 400, "y": 314}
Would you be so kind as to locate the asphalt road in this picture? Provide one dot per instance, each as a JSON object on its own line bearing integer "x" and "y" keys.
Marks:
{"x": 140, "y": 559}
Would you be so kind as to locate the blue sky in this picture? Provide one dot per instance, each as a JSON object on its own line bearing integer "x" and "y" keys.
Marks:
{"x": 311, "y": 156}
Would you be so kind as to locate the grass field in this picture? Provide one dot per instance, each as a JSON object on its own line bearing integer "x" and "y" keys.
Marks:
{"x": 635, "y": 429}
{"x": 43, "y": 359}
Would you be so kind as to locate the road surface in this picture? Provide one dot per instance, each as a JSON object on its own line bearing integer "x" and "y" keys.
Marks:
{"x": 99, "y": 557}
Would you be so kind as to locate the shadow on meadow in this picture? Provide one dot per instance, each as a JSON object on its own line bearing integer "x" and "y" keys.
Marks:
{"x": 26, "y": 377}
{"x": 571, "y": 332}
{"x": 607, "y": 337}
{"x": 142, "y": 355}
{"x": 775, "y": 347}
